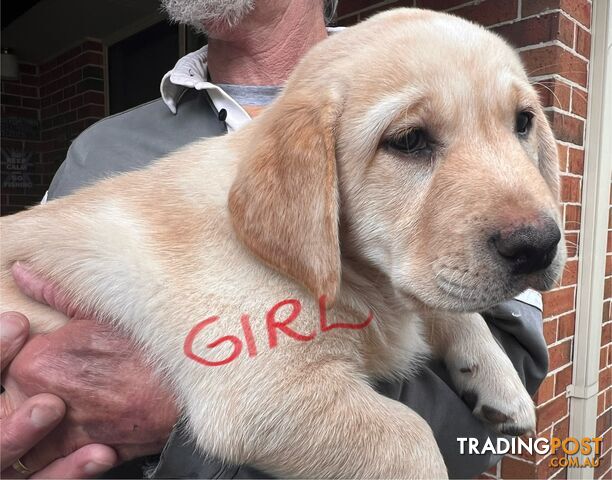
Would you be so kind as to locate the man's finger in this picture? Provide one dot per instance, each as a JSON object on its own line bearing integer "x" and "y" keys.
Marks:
{"x": 27, "y": 425}
{"x": 40, "y": 289}
{"x": 89, "y": 461}
{"x": 14, "y": 329}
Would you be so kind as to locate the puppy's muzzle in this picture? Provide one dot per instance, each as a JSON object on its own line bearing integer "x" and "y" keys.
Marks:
{"x": 528, "y": 248}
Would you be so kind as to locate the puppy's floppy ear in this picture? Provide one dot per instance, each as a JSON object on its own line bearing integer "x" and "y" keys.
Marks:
{"x": 284, "y": 200}
{"x": 548, "y": 156}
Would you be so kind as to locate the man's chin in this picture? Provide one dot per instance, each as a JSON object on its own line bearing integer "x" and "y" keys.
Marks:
{"x": 214, "y": 17}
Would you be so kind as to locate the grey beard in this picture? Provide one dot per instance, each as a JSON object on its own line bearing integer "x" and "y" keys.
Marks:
{"x": 197, "y": 13}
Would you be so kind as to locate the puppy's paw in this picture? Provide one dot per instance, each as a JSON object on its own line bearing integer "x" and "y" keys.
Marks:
{"x": 493, "y": 389}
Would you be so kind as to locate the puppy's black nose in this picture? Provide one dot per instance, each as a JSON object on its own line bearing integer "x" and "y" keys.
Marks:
{"x": 529, "y": 248}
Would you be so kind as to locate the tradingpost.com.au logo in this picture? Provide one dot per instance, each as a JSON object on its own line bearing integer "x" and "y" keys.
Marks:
{"x": 565, "y": 452}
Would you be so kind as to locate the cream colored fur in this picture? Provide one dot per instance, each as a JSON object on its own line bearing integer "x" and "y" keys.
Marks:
{"x": 308, "y": 201}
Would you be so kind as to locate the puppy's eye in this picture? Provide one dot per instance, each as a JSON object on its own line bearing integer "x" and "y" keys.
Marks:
{"x": 523, "y": 122}
{"x": 414, "y": 141}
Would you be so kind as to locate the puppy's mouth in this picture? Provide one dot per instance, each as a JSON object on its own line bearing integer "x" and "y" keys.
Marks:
{"x": 499, "y": 265}
{"x": 474, "y": 288}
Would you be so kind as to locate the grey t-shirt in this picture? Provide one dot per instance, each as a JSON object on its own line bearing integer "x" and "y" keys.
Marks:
{"x": 135, "y": 138}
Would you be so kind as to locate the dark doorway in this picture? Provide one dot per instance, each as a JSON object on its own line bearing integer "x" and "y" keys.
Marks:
{"x": 137, "y": 64}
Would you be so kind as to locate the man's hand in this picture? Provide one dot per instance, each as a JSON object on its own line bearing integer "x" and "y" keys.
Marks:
{"x": 26, "y": 421}
{"x": 112, "y": 396}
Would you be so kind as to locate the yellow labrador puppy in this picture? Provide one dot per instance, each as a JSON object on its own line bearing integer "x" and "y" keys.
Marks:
{"x": 344, "y": 235}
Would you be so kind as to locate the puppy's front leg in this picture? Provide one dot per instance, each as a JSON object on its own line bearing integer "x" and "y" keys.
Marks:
{"x": 318, "y": 420}
{"x": 482, "y": 372}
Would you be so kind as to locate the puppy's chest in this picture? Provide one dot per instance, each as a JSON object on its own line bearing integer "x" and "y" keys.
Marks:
{"x": 396, "y": 346}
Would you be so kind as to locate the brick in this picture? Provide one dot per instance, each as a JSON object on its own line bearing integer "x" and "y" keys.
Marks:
{"x": 13, "y": 100}
{"x": 70, "y": 66}
{"x": 570, "y": 189}
{"x": 607, "y": 437}
{"x": 553, "y": 59}
{"x": 572, "y": 217}
{"x": 91, "y": 111}
{"x": 544, "y": 468}
{"x": 32, "y": 80}
{"x": 578, "y": 9}
{"x": 513, "y": 468}
{"x": 550, "y": 413}
{"x": 566, "y": 128}
{"x": 89, "y": 58}
{"x": 562, "y": 155}
{"x": 65, "y": 118}
{"x": 604, "y": 421}
{"x": 20, "y": 112}
{"x": 45, "y": 102}
{"x": 90, "y": 84}
{"x": 550, "y": 331}
{"x": 546, "y": 391}
{"x": 438, "y": 4}
{"x": 76, "y": 102}
{"x": 608, "y": 265}
{"x": 606, "y": 334}
{"x": 559, "y": 355}
{"x": 47, "y": 66}
{"x": 91, "y": 71}
{"x": 21, "y": 90}
{"x": 93, "y": 97}
{"x": 534, "y": 30}
{"x": 73, "y": 52}
{"x": 561, "y": 429}
{"x": 554, "y": 93}
{"x": 64, "y": 106}
{"x": 31, "y": 102}
{"x": 583, "y": 41}
{"x": 49, "y": 111}
{"x": 532, "y": 7}
{"x": 601, "y": 402}
{"x": 604, "y": 463}
{"x": 579, "y": 102}
{"x": 74, "y": 77}
{"x": 46, "y": 124}
{"x": 575, "y": 161}
{"x": 562, "y": 379}
{"x": 566, "y": 324}
{"x": 69, "y": 91}
{"x": 489, "y": 12}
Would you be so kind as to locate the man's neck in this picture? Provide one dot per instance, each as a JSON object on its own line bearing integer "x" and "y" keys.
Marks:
{"x": 266, "y": 47}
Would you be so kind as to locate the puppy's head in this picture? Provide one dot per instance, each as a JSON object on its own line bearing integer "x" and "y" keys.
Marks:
{"x": 415, "y": 143}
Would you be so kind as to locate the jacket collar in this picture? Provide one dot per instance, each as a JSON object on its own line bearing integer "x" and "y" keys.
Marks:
{"x": 191, "y": 71}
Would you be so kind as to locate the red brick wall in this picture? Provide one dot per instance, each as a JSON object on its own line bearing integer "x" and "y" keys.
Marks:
{"x": 553, "y": 38}
{"x": 64, "y": 95}
{"x": 20, "y": 179}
